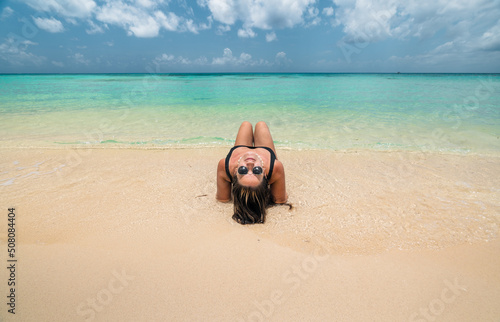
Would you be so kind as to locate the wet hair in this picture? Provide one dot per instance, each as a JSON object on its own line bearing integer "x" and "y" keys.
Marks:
{"x": 250, "y": 203}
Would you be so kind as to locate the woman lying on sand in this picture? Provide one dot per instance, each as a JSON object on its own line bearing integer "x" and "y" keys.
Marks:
{"x": 256, "y": 175}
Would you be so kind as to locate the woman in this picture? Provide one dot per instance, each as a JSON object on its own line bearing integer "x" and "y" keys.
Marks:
{"x": 256, "y": 176}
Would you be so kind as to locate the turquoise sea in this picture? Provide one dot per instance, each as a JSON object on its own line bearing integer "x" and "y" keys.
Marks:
{"x": 458, "y": 113}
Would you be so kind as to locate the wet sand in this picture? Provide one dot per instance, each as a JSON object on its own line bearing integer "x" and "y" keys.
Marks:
{"x": 136, "y": 235}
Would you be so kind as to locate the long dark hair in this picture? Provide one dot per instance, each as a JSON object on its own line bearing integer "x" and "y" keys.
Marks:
{"x": 250, "y": 203}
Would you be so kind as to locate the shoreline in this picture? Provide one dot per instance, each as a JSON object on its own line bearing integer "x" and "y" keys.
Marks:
{"x": 187, "y": 147}
{"x": 138, "y": 233}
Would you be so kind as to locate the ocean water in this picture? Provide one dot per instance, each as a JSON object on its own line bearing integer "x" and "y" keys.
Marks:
{"x": 457, "y": 113}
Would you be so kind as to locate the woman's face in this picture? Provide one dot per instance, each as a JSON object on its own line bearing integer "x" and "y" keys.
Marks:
{"x": 250, "y": 160}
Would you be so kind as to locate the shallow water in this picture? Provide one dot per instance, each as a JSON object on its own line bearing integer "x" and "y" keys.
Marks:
{"x": 419, "y": 112}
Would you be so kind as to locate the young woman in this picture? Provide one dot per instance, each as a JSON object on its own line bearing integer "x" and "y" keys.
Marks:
{"x": 252, "y": 173}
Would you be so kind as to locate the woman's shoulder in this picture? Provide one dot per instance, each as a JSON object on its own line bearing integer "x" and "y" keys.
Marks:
{"x": 278, "y": 166}
{"x": 278, "y": 171}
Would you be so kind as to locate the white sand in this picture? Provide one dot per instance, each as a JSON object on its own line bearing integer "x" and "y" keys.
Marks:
{"x": 136, "y": 235}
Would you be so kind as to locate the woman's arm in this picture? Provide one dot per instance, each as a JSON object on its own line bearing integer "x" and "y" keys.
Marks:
{"x": 278, "y": 187}
{"x": 223, "y": 185}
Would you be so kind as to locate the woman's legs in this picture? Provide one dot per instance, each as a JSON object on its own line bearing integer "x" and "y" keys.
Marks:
{"x": 245, "y": 134}
{"x": 262, "y": 136}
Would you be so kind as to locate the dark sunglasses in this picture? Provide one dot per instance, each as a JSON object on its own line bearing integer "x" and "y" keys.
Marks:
{"x": 256, "y": 170}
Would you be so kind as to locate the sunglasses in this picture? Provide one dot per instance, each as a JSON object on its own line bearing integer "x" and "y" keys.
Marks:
{"x": 256, "y": 170}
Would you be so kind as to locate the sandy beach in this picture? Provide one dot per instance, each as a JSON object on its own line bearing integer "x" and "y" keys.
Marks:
{"x": 137, "y": 235}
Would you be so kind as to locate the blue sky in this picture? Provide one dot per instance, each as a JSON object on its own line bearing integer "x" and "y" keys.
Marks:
{"x": 164, "y": 36}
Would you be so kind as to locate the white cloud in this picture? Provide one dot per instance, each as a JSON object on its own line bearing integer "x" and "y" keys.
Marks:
{"x": 464, "y": 34}
{"x": 190, "y": 26}
{"x": 223, "y": 11}
{"x": 201, "y": 61}
{"x": 80, "y": 59}
{"x": 171, "y": 60}
{"x": 222, "y": 29}
{"x": 366, "y": 21}
{"x": 135, "y": 20}
{"x": 57, "y": 63}
{"x": 246, "y": 33}
{"x": 226, "y": 57}
{"x": 281, "y": 55}
{"x": 490, "y": 40}
{"x": 95, "y": 28}
{"x": 49, "y": 24}
{"x": 312, "y": 16}
{"x": 15, "y": 51}
{"x": 281, "y": 59}
{"x": 140, "y": 18}
{"x": 164, "y": 58}
{"x": 148, "y": 3}
{"x": 145, "y": 28}
{"x": 243, "y": 60}
{"x": 328, "y": 11}
{"x": 6, "y": 13}
{"x": 376, "y": 20}
{"x": 67, "y": 8}
{"x": 144, "y": 22}
{"x": 266, "y": 15}
{"x": 271, "y": 36}
{"x": 169, "y": 21}
{"x": 244, "y": 57}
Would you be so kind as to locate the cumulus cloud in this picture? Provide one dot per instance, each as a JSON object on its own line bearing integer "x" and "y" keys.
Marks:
{"x": 226, "y": 58}
{"x": 164, "y": 58}
{"x": 140, "y": 18}
{"x": 142, "y": 21}
{"x": 135, "y": 20}
{"x": 170, "y": 21}
{"x": 222, "y": 29}
{"x": 246, "y": 33}
{"x": 282, "y": 60}
{"x": 266, "y": 15}
{"x": 271, "y": 37}
{"x": 49, "y": 24}
{"x": 244, "y": 59}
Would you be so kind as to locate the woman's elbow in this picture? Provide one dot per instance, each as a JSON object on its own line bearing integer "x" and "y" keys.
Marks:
{"x": 281, "y": 200}
{"x": 219, "y": 199}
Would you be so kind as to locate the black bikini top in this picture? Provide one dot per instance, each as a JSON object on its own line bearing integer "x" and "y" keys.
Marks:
{"x": 273, "y": 158}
